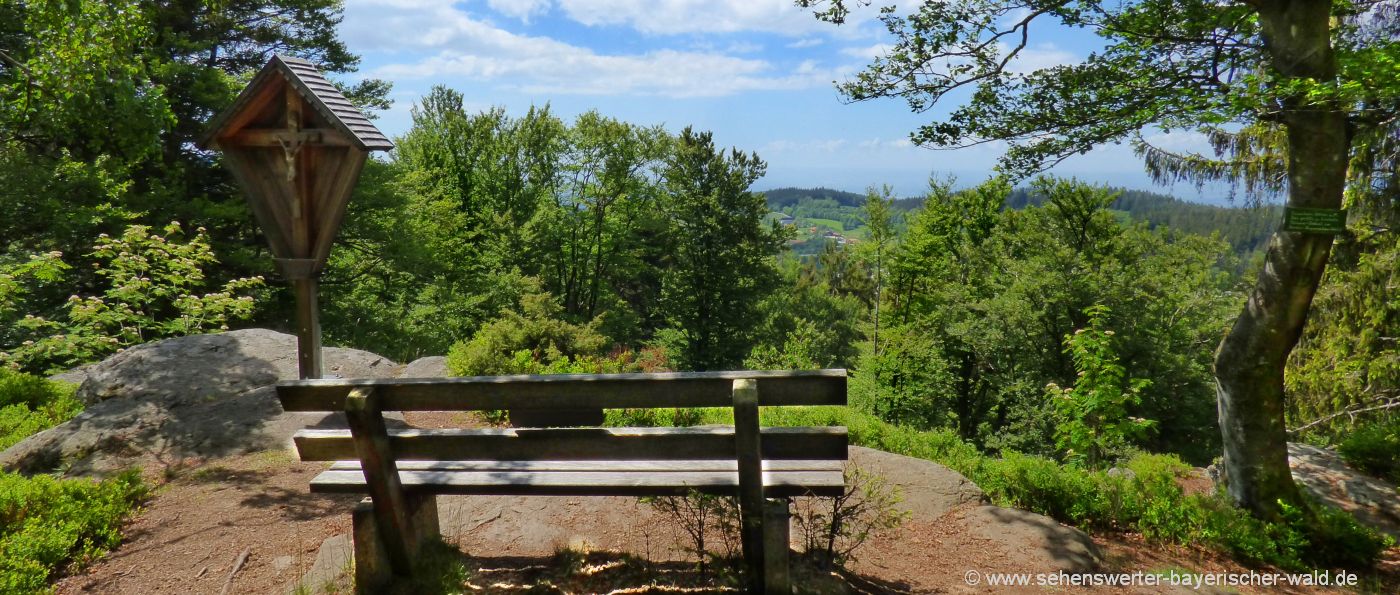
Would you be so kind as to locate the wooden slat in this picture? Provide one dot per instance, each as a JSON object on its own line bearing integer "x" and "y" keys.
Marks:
{"x": 579, "y": 444}
{"x": 602, "y": 466}
{"x": 571, "y": 391}
{"x": 777, "y": 484}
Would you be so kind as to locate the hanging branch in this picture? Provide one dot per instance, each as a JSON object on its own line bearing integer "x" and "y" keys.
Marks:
{"x": 1390, "y": 402}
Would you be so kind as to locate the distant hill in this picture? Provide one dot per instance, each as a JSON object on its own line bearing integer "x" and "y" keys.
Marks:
{"x": 784, "y": 198}
{"x": 1245, "y": 229}
{"x": 819, "y": 210}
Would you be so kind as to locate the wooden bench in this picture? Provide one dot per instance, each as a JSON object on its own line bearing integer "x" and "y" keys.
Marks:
{"x": 403, "y": 470}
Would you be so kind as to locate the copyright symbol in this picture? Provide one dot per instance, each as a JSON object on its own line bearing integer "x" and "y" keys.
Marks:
{"x": 972, "y": 577}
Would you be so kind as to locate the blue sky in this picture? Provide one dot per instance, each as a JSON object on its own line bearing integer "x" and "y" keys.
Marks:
{"x": 758, "y": 73}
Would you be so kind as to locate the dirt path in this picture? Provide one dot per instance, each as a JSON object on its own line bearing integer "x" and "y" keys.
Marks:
{"x": 191, "y": 534}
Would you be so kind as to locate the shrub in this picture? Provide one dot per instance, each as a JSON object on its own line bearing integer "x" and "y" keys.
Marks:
{"x": 48, "y": 524}
{"x": 151, "y": 285}
{"x": 1093, "y": 414}
{"x": 528, "y": 342}
{"x": 1374, "y": 448}
{"x": 707, "y": 520}
{"x": 834, "y": 528}
{"x": 30, "y": 404}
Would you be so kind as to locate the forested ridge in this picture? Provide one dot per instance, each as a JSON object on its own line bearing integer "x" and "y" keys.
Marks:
{"x": 1246, "y": 228}
{"x": 1051, "y": 329}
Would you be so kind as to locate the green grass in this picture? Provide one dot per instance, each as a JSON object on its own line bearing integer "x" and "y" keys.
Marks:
{"x": 832, "y": 224}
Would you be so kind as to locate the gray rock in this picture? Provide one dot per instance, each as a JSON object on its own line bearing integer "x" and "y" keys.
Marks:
{"x": 1122, "y": 472}
{"x": 426, "y": 367}
{"x": 928, "y": 489}
{"x": 75, "y": 376}
{"x": 1038, "y": 537}
{"x": 1322, "y": 473}
{"x": 332, "y": 568}
{"x": 195, "y": 396}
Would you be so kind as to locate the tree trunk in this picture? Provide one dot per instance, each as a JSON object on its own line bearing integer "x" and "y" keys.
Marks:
{"x": 1249, "y": 364}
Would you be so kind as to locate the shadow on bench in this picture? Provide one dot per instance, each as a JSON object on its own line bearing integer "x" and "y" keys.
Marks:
{"x": 403, "y": 470}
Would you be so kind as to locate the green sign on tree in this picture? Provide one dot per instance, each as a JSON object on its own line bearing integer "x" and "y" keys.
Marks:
{"x": 1333, "y": 221}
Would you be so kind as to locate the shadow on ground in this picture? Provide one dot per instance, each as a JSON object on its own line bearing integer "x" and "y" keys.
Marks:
{"x": 569, "y": 571}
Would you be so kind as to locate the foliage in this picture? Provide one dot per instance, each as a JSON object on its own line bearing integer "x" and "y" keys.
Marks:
{"x": 525, "y": 343}
{"x": 810, "y": 323}
{"x": 1314, "y": 80}
{"x": 1144, "y": 496}
{"x": 1374, "y": 448}
{"x": 722, "y": 253}
{"x": 438, "y": 568}
{"x": 151, "y": 281}
{"x": 1347, "y": 358}
{"x": 101, "y": 103}
{"x": 1093, "y": 421}
{"x": 705, "y": 519}
{"x": 834, "y": 528}
{"x": 30, "y": 404}
{"x": 50, "y": 525}
{"x": 979, "y": 300}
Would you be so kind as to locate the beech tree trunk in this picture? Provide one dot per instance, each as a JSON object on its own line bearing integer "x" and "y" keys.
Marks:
{"x": 1249, "y": 363}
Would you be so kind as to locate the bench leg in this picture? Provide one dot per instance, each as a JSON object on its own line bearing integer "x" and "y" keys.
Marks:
{"x": 777, "y": 513}
{"x": 373, "y": 558}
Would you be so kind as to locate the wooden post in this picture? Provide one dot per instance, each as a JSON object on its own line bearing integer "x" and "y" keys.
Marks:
{"x": 308, "y": 328}
{"x": 777, "y": 513}
{"x": 746, "y": 438}
{"x": 391, "y": 507}
{"x": 302, "y": 274}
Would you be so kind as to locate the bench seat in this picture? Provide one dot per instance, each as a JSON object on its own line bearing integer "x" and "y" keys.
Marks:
{"x": 781, "y": 478}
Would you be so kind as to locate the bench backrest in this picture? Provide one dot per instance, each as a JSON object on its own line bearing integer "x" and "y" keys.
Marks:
{"x": 369, "y": 397}
{"x": 570, "y": 391}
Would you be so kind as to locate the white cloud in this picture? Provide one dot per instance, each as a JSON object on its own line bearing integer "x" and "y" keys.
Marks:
{"x": 669, "y": 17}
{"x": 519, "y": 9}
{"x": 869, "y": 52}
{"x": 805, "y": 42}
{"x": 468, "y": 47}
{"x": 743, "y": 47}
{"x": 900, "y": 143}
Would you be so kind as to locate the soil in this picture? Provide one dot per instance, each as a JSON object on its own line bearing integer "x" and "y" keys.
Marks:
{"x": 190, "y": 535}
{"x": 206, "y": 514}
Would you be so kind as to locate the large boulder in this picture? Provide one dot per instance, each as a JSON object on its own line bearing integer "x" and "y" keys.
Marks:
{"x": 189, "y": 397}
{"x": 1322, "y": 473}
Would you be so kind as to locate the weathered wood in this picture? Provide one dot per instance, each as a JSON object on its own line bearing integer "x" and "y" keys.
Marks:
{"x": 381, "y": 477}
{"x": 777, "y": 527}
{"x": 579, "y": 444}
{"x": 308, "y": 328}
{"x": 276, "y": 137}
{"x": 571, "y": 391}
{"x": 750, "y": 458}
{"x": 373, "y": 571}
{"x": 586, "y": 483}
{"x": 604, "y": 466}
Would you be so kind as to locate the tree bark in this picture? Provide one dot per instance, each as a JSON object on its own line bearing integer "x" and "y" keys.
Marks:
{"x": 1249, "y": 364}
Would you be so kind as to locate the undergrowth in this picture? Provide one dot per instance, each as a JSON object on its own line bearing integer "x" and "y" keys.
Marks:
{"x": 30, "y": 404}
{"x": 49, "y": 525}
{"x": 1149, "y": 500}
